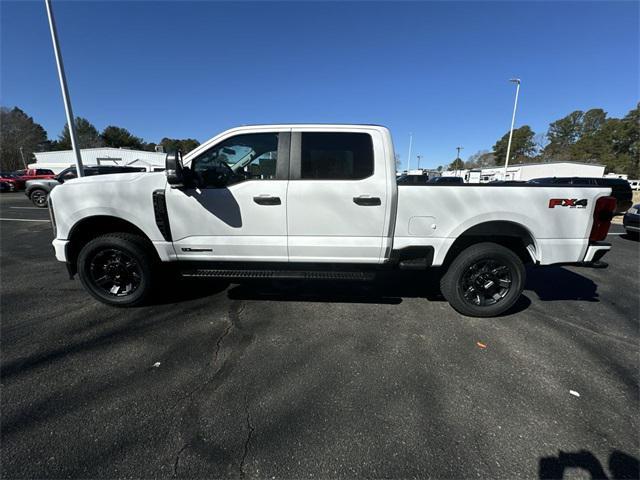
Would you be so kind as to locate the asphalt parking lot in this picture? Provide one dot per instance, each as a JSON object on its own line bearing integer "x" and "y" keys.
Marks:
{"x": 264, "y": 380}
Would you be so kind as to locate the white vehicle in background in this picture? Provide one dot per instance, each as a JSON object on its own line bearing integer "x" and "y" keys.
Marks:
{"x": 319, "y": 202}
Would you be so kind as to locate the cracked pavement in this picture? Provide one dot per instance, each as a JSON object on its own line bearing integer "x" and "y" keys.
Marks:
{"x": 339, "y": 380}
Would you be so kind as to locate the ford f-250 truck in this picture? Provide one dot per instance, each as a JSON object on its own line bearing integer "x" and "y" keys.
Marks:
{"x": 319, "y": 202}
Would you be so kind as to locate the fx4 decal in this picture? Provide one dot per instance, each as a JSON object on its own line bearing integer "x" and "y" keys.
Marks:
{"x": 568, "y": 202}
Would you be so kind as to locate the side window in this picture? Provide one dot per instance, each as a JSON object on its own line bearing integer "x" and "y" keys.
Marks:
{"x": 247, "y": 157}
{"x": 336, "y": 156}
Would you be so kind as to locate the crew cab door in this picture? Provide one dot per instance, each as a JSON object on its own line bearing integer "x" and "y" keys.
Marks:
{"x": 337, "y": 200}
{"x": 244, "y": 220}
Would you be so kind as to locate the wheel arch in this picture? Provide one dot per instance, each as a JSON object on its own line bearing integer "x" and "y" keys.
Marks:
{"x": 94, "y": 226}
{"x": 509, "y": 234}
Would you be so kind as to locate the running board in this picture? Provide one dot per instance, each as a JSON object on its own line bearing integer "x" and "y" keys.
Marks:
{"x": 277, "y": 274}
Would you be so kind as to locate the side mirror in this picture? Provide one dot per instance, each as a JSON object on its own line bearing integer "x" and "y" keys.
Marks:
{"x": 174, "y": 169}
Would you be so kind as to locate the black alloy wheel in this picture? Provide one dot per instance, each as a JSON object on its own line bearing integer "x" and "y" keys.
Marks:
{"x": 486, "y": 282}
{"x": 119, "y": 269}
{"x": 115, "y": 272}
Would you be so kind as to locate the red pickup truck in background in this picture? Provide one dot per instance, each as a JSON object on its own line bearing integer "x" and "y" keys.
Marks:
{"x": 17, "y": 180}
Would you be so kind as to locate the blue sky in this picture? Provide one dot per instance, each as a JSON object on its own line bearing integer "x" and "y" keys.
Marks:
{"x": 437, "y": 69}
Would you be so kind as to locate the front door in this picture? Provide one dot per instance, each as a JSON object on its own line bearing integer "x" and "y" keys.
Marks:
{"x": 337, "y": 197}
{"x": 244, "y": 220}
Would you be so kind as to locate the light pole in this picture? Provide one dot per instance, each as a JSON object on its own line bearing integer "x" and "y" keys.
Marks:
{"x": 458, "y": 157}
{"x": 409, "y": 157}
{"x": 419, "y": 158}
{"x": 513, "y": 120}
{"x": 63, "y": 86}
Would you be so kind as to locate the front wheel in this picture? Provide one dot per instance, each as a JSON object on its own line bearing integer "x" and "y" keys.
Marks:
{"x": 117, "y": 269}
{"x": 39, "y": 198}
{"x": 484, "y": 280}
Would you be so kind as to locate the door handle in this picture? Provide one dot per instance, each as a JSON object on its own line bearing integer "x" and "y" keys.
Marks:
{"x": 366, "y": 201}
{"x": 267, "y": 200}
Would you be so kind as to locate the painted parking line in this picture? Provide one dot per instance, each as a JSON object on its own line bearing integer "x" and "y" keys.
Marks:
{"x": 23, "y": 220}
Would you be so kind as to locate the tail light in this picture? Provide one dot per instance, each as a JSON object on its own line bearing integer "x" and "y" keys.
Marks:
{"x": 602, "y": 215}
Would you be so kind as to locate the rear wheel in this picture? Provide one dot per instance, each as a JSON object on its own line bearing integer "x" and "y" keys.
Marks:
{"x": 39, "y": 198}
{"x": 484, "y": 280}
{"x": 117, "y": 269}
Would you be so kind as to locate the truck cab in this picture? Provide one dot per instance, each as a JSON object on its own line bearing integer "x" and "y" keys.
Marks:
{"x": 304, "y": 194}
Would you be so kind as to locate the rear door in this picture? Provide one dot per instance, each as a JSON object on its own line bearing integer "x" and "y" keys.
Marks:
{"x": 337, "y": 197}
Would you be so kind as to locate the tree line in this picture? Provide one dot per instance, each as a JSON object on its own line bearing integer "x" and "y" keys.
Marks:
{"x": 21, "y": 136}
{"x": 589, "y": 137}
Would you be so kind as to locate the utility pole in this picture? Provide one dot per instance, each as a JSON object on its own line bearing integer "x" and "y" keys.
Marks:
{"x": 458, "y": 158}
{"x": 513, "y": 119}
{"x": 409, "y": 157}
{"x": 22, "y": 156}
{"x": 419, "y": 158}
{"x": 65, "y": 91}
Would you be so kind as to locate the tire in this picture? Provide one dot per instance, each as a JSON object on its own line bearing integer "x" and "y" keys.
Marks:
{"x": 484, "y": 280}
{"x": 118, "y": 269}
{"x": 39, "y": 198}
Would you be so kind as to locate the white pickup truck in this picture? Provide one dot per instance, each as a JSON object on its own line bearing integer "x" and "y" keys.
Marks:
{"x": 318, "y": 202}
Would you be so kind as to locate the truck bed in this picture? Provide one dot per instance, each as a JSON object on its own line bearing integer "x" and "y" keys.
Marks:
{"x": 435, "y": 215}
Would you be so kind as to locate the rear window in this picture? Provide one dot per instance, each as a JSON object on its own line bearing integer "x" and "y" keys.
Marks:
{"x": 44, "y": 171}
{"x": 336, "y": 156}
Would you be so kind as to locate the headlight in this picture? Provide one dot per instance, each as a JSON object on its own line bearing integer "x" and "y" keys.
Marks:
{"x": 632, "y": 210}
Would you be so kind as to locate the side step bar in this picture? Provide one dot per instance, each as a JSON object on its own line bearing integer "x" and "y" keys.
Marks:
{"x": 277, "y": 274}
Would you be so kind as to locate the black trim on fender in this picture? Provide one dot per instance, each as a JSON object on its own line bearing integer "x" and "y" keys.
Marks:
{"x": 412, "y": 258}
{"x": 161, "y": 214}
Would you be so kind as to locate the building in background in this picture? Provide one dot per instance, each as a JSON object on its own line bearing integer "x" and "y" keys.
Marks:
{"x": 528, "y": 171}
{"x": 58, "y": 161}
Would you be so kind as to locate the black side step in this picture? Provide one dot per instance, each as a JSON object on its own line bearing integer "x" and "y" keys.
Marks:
{"x": 277, "y": 274}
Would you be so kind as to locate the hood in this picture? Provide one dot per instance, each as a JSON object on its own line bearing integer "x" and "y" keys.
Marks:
{"x": 111, "y": 177}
